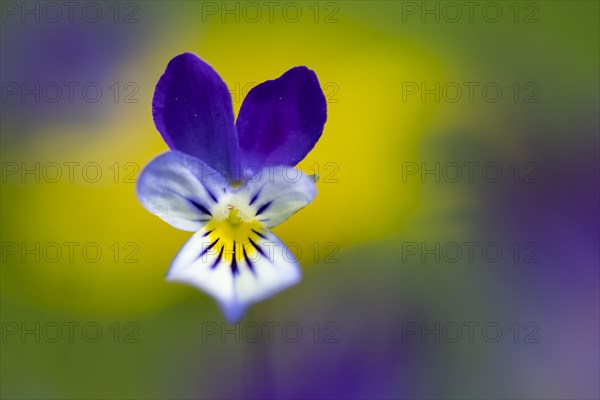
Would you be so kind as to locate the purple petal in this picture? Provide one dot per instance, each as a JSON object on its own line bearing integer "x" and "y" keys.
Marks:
{"x": 280, "y": 121}
{"x": 181, "y": 190}
{"x": 192, "y": 111}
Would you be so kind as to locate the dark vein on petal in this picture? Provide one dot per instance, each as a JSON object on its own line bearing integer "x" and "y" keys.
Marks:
{"x": 212, "y": 196}
{"x": 214, "y": 264}
{"x": 234, "y": 268}
{"x": 208, "y": 248}
{"x": 259, "y": 234}
{"x": 257, "y": 247}
{"x": 256, "y": 195}
{"x": 200, "y": 207}
{"x": 263, "y": 208}
{"x": 208, "y": 232}
{"x": 250, "y": 265}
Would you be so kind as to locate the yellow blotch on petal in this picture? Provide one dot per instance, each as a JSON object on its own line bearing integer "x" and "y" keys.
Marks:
{"x": 234, "y": 230}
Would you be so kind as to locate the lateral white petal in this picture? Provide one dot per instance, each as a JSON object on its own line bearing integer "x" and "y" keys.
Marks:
{"x": 276, "y": 193}
{"x": 181, "y": 190}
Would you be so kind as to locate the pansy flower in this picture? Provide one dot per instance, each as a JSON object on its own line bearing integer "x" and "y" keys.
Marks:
{"x": 230, "y": 182}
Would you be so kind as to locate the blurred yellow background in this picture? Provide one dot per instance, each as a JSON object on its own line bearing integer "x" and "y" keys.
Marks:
{"x": 368, "y": 56}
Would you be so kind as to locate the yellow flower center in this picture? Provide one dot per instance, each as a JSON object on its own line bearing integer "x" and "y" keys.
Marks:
{"x": 236, "y": 236}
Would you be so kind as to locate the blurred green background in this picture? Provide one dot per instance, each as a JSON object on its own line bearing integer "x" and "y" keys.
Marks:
{"x": 411, "y": 87}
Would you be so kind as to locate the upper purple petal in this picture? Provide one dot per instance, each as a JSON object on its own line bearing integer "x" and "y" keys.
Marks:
{"x": 281, "y": 120}
{"x": 192, "y": 110}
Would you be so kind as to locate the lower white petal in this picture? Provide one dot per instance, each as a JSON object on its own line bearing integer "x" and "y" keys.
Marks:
{"x": 235, "y": 280}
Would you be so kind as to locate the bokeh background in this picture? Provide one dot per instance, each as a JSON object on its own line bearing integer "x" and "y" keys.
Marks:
{"x": 383, "y": 312}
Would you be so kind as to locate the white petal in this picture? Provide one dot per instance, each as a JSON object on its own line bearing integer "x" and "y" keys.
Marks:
{"x": 181, "y": 190}
{"x": 234, "y": 292}
{"x": 276, "y": 193}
